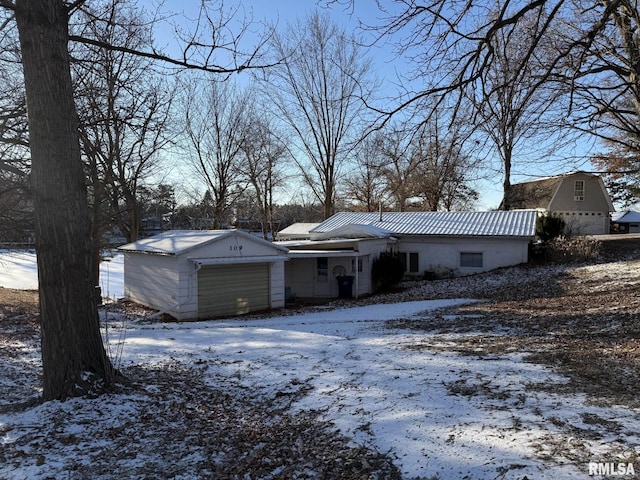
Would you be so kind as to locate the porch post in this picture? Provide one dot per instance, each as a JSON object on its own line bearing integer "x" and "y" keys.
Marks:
{"x": 355, "y": 263}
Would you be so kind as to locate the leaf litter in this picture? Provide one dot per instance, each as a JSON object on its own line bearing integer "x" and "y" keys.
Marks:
{"x": 526, "y": 372}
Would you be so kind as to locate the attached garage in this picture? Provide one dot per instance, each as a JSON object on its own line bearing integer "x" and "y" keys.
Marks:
{"x": 191, "y": 274}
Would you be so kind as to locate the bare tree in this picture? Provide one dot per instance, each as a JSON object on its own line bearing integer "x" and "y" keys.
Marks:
{"x": 71, "y": 340}
{"x": 124, "y": 110}
{"x": 444, "y": 171}
{"x": 452, "y": 47}
{"x": 511, "y": 98}
{"x": 216, "y": 129}
{"x": 318, "y": 90}
{"x": 399, "y": 168}
{"x": 16, "y": 209}
{"x": 364, "y": 186}
{"x": 264, "y": 152}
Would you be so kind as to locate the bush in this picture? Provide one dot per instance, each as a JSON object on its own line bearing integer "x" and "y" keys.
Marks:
{"x": 563, "y": 250}
{"x": 387, "y": 271}
{"x": 549, "y": 227}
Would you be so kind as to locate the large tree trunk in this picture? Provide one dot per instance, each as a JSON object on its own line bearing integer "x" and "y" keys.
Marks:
{"x": 71, "y": 340}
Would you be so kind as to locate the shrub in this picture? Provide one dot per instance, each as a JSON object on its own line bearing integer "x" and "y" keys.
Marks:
{"x": 387, "y": 271}
{"x": 563, "y": 250}
{"x": 549, "y": 227}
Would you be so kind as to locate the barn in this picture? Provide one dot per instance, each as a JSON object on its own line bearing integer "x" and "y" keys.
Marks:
{"x": 198, "y": 274}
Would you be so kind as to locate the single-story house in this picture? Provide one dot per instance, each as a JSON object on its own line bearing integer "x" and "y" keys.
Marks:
{"x": 430, "y": 243}
{"x": 625, "y": 222}
{"x": 579, "y": 198}
{"x": 191, "y": 274}
{"x": 317, "y": 267}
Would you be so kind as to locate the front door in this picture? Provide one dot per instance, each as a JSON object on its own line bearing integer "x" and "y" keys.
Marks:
{"x": 322, "y": 288}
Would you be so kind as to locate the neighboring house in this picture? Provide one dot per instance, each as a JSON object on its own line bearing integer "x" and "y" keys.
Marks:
{"x": 580, "y": 199}
{"x": 431, "y": 244}
{"x": 191, "y": 274}
{"x": 297, "y": 231}
{"x": 625, "y": 222}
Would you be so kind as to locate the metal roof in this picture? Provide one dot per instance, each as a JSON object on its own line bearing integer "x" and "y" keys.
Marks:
{"x": 514, "y": 223}
{"x": 352, "y": 231}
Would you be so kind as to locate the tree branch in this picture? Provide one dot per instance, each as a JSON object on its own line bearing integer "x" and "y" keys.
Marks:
{"x": 158, "y": 56}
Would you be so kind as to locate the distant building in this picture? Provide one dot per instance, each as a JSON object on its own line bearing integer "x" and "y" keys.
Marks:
{"x": 580, "y": 199}
{"x": 625, "y": 222}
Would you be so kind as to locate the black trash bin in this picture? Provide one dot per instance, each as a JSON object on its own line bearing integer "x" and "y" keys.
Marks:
{"x": 345, "y": 286}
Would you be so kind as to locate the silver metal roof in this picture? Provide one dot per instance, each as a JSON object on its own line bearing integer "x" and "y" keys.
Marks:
{"x": 516, "y": 223}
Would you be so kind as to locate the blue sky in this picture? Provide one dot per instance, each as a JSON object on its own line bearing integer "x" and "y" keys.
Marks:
{"x": 386, "y": 64}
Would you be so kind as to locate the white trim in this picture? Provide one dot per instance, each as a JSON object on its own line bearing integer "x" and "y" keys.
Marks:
{"x": 229, "y": 260}
{"x": 325, "y": 253}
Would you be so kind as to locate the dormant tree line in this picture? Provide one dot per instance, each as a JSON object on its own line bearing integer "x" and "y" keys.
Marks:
{"x": 104, "y": 104}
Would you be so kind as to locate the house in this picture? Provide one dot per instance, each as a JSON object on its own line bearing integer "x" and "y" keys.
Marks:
{"x": 297, "y": 231}
{"x": 430, "y": 244}
{"x": 316, "y": 267}
{"x": 580, "y": 199}
{"x": 191, "y": 274}
{"x": 625, "y": 222}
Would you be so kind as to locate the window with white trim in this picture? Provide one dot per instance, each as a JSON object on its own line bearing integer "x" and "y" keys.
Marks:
{"x": 411, "y": 261}
{"x": 578, "y": 190}
{"x": 322, "y": 269}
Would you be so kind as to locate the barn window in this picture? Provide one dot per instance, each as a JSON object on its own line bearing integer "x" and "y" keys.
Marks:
{"x": 578, "y": 192}
{"x": 471, "y": 259}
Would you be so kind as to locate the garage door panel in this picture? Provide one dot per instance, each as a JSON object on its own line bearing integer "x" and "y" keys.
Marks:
{"x": 233, "y": 289}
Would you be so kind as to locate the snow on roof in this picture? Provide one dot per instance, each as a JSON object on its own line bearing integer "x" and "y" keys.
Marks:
{"x": 628, "y": 216}
{"x": 515, "y": 223}
{"x": 177, "y": 242}
{"x": 296, "y": 230}
{"x": 174, "y": 242}
{"x": 353, "y": 231}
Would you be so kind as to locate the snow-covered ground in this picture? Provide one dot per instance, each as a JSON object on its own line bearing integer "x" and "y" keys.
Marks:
{"x": 18, "y": 270}
{"x": 436, "y": 414}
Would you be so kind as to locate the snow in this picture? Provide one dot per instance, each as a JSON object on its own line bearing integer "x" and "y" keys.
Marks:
{"x": 437, "y": 414}
{"x": 18, "y": 270}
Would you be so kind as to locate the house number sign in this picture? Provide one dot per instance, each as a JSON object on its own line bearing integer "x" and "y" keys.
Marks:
{"x": 235, "y": 248}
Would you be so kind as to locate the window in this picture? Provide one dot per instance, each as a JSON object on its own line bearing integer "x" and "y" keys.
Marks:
{"x": 471, "y": 259}
{"x": 322, "y": 269}
{"x": 411, "y": 261}
{"x": 578, "y": 191}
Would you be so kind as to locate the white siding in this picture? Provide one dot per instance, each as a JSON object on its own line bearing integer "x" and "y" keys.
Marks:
{"x": 277, "y": 285}
{"x": 300, "y": 274}
{"x": 169, "y": 283}
{"x": 585, "y": 223}
{"x": 151, "y": 280}
{"x": 235, "y": 246}
{"x": 187, "y": 290}
{"x": 443, "y": 254}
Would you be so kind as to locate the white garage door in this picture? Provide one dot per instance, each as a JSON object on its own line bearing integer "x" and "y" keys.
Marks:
{"x": 233, "y": 289}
